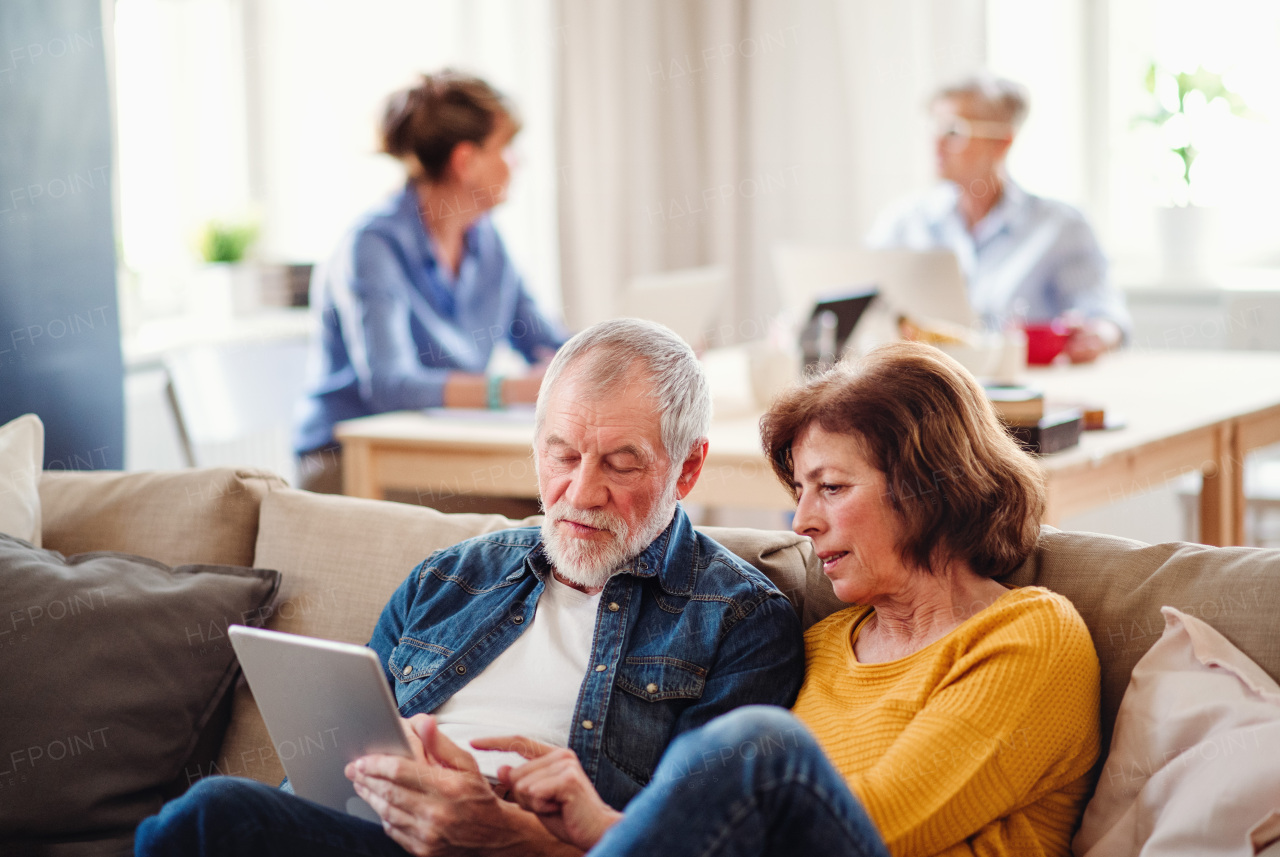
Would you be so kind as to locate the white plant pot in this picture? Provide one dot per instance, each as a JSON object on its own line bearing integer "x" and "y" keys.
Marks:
{"x": 222, "y": 290}
{"x": 1187, "y": 236}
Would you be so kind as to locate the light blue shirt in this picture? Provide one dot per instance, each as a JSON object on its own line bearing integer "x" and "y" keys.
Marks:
{"x": 394, "y": 322}
{"x": 1029, "y": 257}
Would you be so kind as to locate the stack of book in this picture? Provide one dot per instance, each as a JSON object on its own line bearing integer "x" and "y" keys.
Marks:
{"x": 1022, "y": 410}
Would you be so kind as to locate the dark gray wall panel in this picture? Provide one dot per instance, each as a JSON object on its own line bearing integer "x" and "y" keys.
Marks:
{"x": 59, "y": 329}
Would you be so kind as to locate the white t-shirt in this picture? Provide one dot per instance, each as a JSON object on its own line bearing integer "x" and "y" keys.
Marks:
{"x": 532, "y": 688}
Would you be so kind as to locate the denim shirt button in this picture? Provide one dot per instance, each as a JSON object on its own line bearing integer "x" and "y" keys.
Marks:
{"x": 601, "y": 668}
{"x": 587, "y": 724}
{"x": 517, "y": 619}
{"x": 407, "y": 669}
{"x": 651, "y": 687}
{"x": 460, "y": 669}
{"x": 613, "y": 607}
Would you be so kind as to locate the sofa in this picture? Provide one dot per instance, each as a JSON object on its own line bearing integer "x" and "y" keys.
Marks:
{"x": 339, "y": 558}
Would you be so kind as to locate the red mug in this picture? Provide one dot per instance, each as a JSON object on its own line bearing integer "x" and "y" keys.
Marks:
{"x": 1046, "y": 341}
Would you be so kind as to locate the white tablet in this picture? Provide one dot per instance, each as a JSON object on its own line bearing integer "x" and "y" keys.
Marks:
{"x": 325, "y": 705}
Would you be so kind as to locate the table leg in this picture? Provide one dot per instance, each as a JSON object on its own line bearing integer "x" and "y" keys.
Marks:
{"x": 357, "y": 470}
{"x": 1222, "y": 492}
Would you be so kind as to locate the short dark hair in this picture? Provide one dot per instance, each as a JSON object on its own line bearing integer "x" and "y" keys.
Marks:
{"x": 428, "y": 120}
{"x": 960, "y": 485}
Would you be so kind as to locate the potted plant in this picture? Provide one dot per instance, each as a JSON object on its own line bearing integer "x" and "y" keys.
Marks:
{"x": 226, "y": 285}
{"x": 1188, "y": 110}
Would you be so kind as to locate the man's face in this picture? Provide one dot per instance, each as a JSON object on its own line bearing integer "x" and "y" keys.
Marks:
{"x": 604, "y": 477}
{"x": 971, "y": 141}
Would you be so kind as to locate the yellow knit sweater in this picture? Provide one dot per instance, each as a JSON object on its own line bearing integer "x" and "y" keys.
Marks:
{"x": 980, "y": 743}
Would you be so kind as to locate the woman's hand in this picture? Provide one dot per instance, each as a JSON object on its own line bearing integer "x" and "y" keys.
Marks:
{"x": 553, "y": 786}
{"x": 524, "y": 388}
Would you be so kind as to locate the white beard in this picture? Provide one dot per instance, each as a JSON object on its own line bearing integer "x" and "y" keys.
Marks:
{"x": 588, "y": 563}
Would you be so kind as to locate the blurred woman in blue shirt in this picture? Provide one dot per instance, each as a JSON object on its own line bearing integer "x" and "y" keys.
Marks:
{"x": 418, "y": 293}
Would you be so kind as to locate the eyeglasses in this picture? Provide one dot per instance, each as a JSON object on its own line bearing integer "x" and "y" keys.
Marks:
{"x": 955, "y": 132}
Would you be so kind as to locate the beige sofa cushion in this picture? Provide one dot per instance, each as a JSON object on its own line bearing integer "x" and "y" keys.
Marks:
{"x": 1192, "y": 771}
{"x": 176, "y": 517}
{"x": 21, "y": 457}
{"x": 342, "y": 558}
{"x": 1119, "y": 586}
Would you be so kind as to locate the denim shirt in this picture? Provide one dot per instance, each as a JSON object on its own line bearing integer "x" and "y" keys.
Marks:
{"x": 685, "y": 631}
{"x": 393, "y": 321}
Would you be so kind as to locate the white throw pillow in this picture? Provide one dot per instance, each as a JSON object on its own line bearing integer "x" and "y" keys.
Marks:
{"x": 1193, "y": 764}
{"x": 21, "y": 460}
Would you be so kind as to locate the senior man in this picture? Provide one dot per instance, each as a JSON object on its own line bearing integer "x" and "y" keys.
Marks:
{"x": 1025, "y": 257}
{"x": 611, "y": 630}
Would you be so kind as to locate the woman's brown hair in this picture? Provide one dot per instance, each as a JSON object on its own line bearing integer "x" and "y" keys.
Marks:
{"x": 427, "y": 121}
{"x": 959, "y": 483}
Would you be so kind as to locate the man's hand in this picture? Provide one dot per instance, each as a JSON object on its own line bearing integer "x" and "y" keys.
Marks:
{"x": 436, "y": 803}
{"x": 1091, "y": 338}
{"x": 553, "y": 786}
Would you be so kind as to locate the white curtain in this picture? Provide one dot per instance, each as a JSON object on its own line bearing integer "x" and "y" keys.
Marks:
{"x": 696, "y": 133}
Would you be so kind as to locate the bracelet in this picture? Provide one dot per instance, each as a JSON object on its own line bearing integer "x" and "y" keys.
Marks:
{"x": 495, "y": 392}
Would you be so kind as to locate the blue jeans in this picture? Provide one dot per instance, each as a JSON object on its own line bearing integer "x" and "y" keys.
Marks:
{"x": 753, "y": 781}
{"x": 233, "y": 816}
{"x": 750, "y": 782}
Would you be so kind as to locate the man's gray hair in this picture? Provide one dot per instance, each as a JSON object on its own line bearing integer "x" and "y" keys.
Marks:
{"x": 606, "y": 354}
{"x": 1007, "y": 99}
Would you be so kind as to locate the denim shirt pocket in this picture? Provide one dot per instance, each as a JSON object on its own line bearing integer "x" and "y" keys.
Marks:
{"x": 655, "y": 691}
{"x": 413, "y": 661}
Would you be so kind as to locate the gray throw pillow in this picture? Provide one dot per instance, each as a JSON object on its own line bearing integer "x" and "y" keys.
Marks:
{"x": 114, "y": 680}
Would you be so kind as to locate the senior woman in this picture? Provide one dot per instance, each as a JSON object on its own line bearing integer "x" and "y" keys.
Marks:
{"x": 418, "y": 294}
{"x": 945, "y": 713}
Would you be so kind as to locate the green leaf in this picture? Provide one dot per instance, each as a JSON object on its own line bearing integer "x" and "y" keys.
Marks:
{"x": 1188, "y": 154}
{"x": 226, "y": 242}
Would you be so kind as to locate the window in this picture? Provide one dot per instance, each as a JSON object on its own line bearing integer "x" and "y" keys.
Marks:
{"x": 1236, "y": 170}
{"x": 267, "y": 109}
{"x": 1085, "y": 62}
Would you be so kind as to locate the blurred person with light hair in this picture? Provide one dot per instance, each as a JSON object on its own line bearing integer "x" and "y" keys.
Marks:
{"x": 1026, "y": 258}
{"x": 419, "y": 293}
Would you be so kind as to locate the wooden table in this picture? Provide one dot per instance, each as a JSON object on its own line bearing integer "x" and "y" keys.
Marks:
{"x": 1185, "y": 411}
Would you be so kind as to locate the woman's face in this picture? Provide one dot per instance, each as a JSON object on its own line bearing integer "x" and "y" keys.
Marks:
{"x": 843, "y": 505}
{"x": 489, "y": 173}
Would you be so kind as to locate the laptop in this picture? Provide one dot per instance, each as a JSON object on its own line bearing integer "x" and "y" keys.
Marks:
{"x": 922, "y": 284}
{"x": 847, "y": 307}
{"x": 844, "y": 310}
{"x": 325, "y": 705}
{"x": 686, "y": 301}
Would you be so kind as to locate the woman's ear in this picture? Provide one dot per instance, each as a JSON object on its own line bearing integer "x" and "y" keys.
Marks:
{"x": 462, "y": 158}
